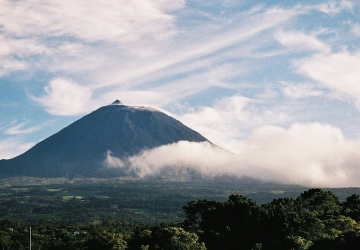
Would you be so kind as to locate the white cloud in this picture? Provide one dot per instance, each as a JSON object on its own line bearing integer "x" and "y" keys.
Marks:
{"x": 355, "y": 28}
{"x": 339, "y": 72}
{"x": 174, "y": 72}
{"x": 13, "y": 53}
{"x": 300, "y": 41}
{"x": 228, "y": 121}
{"x": 91, "y": 21}
{"x": 334, "y": 7}
{"x": 310, "y": 154}
{"x": 69, "y": 33}
{"x": 113, "y": 162}
{"x": 65, "y": 97}
{"x": 10, "y": 148}
{"x": 21, "y": 47}
{"x": 18, "y": 129}
{"x": 197, "y": 48}
{"x": 300, "y": 90}
{"x": 202, "y": 156}
{"x": 75, "y": 36}
{"x": 10, "y": 65}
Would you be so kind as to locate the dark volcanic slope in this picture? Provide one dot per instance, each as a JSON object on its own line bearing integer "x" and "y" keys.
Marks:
{"x": 81, "y": 148}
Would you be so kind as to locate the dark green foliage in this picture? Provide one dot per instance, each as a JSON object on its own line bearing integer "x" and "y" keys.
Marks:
{"x": 112, "y": 215}
{"x": 165, "y": 238}
{"x": 283, "y": 219}
{"x": 346, "y": 241}
{"x": 351, "y": 207}
{"x": 225, "y": 225}
{"x": 54, "y": 236}
{"x": 315, "y": 220}
{"x": 102, "y": 236}
{"x": 320, "y": 202}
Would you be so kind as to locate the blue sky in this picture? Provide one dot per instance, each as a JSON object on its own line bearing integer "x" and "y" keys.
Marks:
{"x": 239, "y": 72}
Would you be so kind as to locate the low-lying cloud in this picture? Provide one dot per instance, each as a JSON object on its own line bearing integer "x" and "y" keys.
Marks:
{"x": 311, "y": 154}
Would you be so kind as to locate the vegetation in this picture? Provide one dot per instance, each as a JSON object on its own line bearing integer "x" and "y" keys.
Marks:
{"x": 148, "y": 214}
{"x": 146, "y": 201}
{"x": 315, "y": 220}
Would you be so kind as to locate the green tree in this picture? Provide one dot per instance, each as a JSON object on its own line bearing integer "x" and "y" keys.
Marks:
{"x": 321, "y": 203}
{"x": 168, "y": 238}
{"x": 5, "y": 240}
{"x": 351, "y": 207}
{"x": 286, "y": 225}
{"x": 105, "y": 241}
{"x": 226, "y": 225}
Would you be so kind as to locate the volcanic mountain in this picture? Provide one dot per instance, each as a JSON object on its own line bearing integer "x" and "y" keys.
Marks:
{"x": 81, "y": 148}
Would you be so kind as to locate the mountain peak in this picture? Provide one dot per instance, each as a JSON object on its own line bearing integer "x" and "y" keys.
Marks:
{"x": 81, "y": 148}
{"x": 116, "y": 102}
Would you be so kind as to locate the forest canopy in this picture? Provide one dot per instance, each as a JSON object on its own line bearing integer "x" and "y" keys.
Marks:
{"x": 315, "y": 220}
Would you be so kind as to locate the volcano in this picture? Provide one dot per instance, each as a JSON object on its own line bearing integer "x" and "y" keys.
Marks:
{"x": 80, "y": 149}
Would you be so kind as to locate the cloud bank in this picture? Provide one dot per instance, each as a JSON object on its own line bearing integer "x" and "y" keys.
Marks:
{"x": 310, "y": 154}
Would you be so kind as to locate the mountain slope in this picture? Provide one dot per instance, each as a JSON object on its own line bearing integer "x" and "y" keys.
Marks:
{"x": 81, "y": 148}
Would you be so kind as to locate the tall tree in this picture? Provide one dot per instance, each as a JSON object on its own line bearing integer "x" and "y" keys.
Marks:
{"x": 226, "y": 225}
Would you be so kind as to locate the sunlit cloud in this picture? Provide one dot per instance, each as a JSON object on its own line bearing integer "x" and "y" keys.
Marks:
{"x": 65, "y": 97}
{"x": 230, "y": 119}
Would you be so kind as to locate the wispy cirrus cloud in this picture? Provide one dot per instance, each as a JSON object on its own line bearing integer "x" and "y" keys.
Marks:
{"x": 111, "y": 21}
{"x": 21, "y": 47}
{"x": 300, "y": 90}
{"x": 43, "y": 29}
{"x": 334, "y": 7}
{"x": 339, "y": 72}
{"x": 300, "y": 41}
{"x": 14, "y": 53}
{"x": 19, "y": 129}
{"x": 178, "y": 69}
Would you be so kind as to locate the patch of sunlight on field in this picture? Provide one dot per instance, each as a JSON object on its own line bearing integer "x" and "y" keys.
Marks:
{"x": 54, "y": 189}
{"x": 5, "y": 194}
{"x": 103, "y": 197}
{"x": 21, "y": 189}
{"x": 69, "y": 197}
